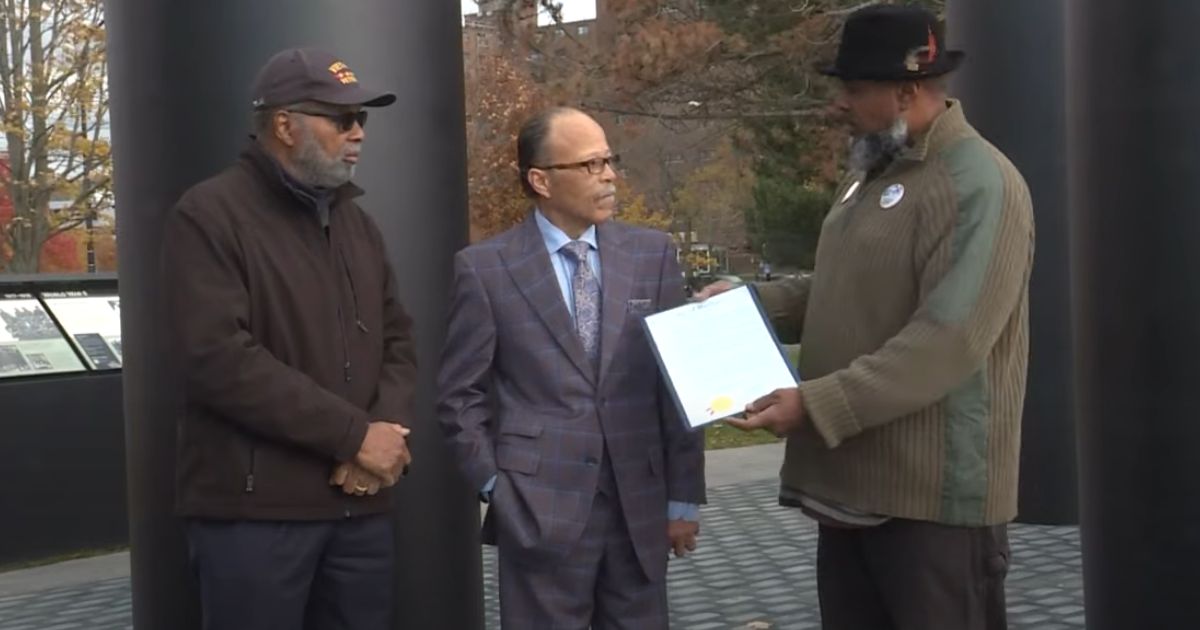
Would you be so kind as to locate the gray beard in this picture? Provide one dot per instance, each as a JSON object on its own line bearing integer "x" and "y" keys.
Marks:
{"x": 316, "y": 169}
{"x": 872, "y": 150}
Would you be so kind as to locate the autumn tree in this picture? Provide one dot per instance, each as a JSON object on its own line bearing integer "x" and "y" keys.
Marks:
{"x": 61, "y": 253}
{"x": 635, "y": 210}
{"x": 54, "y": 110}
{"x": 679, "y": 79}
{"x": 104, "y": 242}
{"x": 711, "y": 203}
{"x": 746, "y": 69}
{"x": 713, "y": 199}
{"x": 796, "y": 157}
{"x": 502, "y": 98}
{"x": 497, "y": 105}
{"x": 693, "y": 60}
{"x": 6, "y": 217}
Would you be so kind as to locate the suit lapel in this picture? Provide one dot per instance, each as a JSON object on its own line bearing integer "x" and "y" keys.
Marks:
{"x": 616, "y": 268}
{"x": 528, "y": 264}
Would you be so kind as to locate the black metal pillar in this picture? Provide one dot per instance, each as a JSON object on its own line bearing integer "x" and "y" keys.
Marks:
{"x": 1012, "y": 88}
{"x": 1134, "y": 146}
{"x": 180, "y": 76}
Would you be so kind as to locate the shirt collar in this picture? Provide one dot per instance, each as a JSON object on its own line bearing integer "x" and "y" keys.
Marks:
{"x": 555, "y": 238}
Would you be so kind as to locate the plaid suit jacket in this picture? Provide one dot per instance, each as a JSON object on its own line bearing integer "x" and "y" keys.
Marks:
{"x": 518, "y": 397}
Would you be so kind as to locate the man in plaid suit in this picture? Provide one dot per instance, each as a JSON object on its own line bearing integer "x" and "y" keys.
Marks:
{"x": 551, "y": 398}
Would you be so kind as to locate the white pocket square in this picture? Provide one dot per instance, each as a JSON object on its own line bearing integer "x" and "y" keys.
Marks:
{"x": 640, "y": 306}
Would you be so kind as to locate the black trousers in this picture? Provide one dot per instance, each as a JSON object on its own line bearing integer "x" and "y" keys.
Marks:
{"x": 268, "y": 575}
{"x": 911, "y": 575}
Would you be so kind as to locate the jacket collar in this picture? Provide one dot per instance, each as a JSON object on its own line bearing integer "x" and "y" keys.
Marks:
{"x": 286, "y": 186}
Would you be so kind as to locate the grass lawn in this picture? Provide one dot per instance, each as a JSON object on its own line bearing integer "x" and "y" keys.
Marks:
{"x": 720, "y": 435}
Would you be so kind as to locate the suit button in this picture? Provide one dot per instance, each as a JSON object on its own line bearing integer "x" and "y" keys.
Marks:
{"x": 591, "y": 461}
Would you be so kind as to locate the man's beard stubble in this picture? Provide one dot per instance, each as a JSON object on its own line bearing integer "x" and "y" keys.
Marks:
{"x": 317, "y": 169}
{"x": 873, "y": 150}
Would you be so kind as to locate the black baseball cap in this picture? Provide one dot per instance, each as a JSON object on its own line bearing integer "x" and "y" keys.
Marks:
{"x": 309, "y": 74}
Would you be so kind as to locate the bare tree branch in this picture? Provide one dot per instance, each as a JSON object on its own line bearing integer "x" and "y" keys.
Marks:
{"x": 849, "y": 10}
{"x": 741, "y": 115}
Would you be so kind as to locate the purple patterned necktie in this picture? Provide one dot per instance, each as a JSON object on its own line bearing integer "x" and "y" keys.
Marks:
{"x": 586, "y": 291}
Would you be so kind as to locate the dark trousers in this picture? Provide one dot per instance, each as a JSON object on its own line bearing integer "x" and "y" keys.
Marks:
{"x": 910, "y": 575}
{"x": 600, "y": 584}
{"x": 326, "y": 575}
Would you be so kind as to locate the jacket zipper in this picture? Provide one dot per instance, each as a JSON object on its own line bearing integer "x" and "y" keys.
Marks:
{"x": 250, "y": 474}
{"x": 357, "y": 322}
{"x": 353, "y": 293}
{"x": 345, "y": 345}
{"x": 333, "y": 251}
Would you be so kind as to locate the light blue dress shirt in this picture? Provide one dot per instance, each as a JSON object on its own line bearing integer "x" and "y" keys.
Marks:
{"x": 564, "y": 270}
{"x": 564, "y": 266}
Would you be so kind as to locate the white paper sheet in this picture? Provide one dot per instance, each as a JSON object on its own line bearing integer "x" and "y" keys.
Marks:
{"x": 718, "y": 355}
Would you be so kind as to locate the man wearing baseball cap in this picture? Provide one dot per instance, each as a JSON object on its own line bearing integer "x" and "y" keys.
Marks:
{"x": 298, "y": 362}
{"x": 904, "y": 436}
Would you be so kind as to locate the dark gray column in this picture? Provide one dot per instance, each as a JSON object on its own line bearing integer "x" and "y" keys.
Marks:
{"x": 180, "y": 76}
{"x": 1134, "y": 142}
{"x": 1012, "y": 90}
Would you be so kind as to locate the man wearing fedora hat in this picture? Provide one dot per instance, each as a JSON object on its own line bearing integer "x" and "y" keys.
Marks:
{"x": 298, "y": 365}
{"x": 904, "y": 434}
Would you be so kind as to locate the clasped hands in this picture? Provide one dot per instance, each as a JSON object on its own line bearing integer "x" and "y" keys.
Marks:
{"x": 380, "y": 462}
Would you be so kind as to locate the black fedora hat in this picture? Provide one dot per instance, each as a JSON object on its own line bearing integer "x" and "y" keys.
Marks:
{"x": 892, "y": 43}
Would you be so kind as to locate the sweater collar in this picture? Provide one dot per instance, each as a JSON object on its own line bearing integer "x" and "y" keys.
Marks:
{"x": 947, "y": 127}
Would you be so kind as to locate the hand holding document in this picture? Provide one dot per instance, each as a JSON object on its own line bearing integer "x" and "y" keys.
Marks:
{"x": 718, "y": 355}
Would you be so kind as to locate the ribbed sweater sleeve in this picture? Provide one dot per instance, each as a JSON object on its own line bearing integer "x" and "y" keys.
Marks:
{"x": 974, "y": 252}
{"x": 785, "y": 301}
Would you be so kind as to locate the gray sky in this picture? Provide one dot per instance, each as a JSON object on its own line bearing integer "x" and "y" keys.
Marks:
{"x": 573, "y": 10}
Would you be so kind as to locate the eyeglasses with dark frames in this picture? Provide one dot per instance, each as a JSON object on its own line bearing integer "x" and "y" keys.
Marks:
{"x": 595, "y": 166}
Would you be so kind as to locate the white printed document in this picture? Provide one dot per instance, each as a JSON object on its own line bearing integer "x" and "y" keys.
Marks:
{"x": 718, "y": 356}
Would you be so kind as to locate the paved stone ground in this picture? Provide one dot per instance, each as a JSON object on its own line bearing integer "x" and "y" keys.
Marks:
{"x": 756, "y": 563}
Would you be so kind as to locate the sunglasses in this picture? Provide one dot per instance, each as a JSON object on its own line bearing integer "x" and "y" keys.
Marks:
{"x": 345, "y": 120}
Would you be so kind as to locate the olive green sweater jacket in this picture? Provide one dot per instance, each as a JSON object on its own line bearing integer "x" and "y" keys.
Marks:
{"x": 915, "y": 336}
